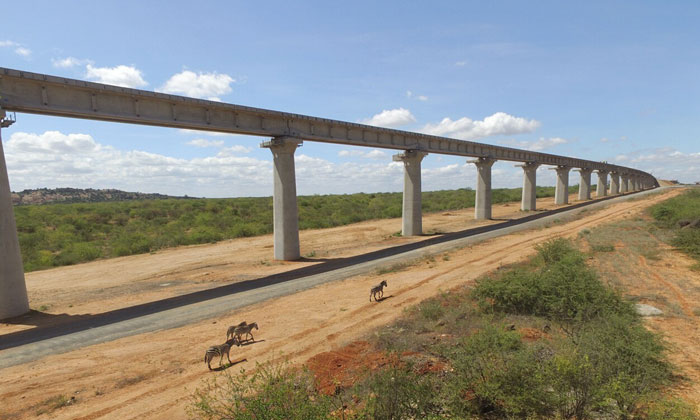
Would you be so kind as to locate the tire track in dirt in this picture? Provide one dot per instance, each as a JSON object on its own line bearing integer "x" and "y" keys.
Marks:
{"x": 670, "y": 286}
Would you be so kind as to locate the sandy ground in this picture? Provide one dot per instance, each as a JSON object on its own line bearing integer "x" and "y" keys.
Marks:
{"x": 153, "y": 375}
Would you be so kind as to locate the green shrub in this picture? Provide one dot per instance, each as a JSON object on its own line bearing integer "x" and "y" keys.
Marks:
{"x": 397, "y": 392}
{"x": 431, "y": 310}
{"x": 496, "y": 375}
{"x": 274, "y": 391}
{"x": 557, "y": 285}
{"x": 672, "y": 409}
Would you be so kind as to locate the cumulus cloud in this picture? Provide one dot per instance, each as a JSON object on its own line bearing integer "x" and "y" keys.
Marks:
{"x": 234, "y": 150}
{"x": 363, "y": 153}
{"x": 19, "y": 48}
{"x": 199, "y": 85}
{"x": 24, "y": 52}
{"x": 125, "y": 76}
{"x": 536, "y": 145}
{"x": 390, "y": 118}
{"x": 664, "y": 163}
{"x": 205, "y": 143}
{"x": 54, "y": 159}
{"x": 68, "y": 62}
{"x": 467, "y": 129}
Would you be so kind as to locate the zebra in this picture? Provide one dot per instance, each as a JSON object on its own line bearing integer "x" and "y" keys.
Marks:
{"x": 245, "y": 329}
{"x": 219, "y": 350}
{"x": 232, "y": 329}
{"x": 377, "y": 290}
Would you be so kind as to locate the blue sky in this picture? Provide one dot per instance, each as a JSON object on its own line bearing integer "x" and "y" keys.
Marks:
{"x": 613, "y": 80}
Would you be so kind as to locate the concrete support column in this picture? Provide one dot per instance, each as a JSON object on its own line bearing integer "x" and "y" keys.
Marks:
{"x": 624, "y": 183}
{"x": 286, "y": 213}
{"x": 529, "y": 197}
{"x": 13, "y": 290}
{"x": 482, "y": 206}
{"x": 584, "y": 187}
{"x": 630, "y": 183}
{"x": 412, "y": 216}
{"x": 602, "y": 189}
{"x": 614, "y": 183}
{"x": 561, "y": 192}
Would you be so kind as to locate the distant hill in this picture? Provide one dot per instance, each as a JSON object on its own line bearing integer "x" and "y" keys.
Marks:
{"x": 77, "y": 195}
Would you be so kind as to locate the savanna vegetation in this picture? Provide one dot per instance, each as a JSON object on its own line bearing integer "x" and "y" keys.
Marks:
{"x": 544, "y": 339}
{"x": 54, "y": 235}
{"x": 680, "y": 216}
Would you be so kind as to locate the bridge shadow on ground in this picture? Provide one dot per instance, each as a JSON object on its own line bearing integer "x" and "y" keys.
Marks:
{"x": 78, "y": 323}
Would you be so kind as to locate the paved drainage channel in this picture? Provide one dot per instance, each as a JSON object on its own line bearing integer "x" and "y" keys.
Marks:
{"x": 29, "y": 345}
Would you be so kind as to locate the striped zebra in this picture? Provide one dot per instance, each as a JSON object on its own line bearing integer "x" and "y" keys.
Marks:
{"x": 377, "y": 290}
{"x": 232, "y": 329}
{"x": 219, "y": 350}
{"x": 245, "y": 329}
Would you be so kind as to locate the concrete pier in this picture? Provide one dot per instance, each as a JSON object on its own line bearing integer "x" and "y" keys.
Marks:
{"x": 529, "y": 196}
{"x": 286, "y": 213}
{"x": 561, "y": 192}
{"x": 584, "y": 187}
{"x": 412, "y": 216}
{"x": 602, "y": 187}
{"x": 482, "y": 205}
{"x": 614, "y": 183}
{"x": 624, "y": 183}
{"x": 13, "y": 290}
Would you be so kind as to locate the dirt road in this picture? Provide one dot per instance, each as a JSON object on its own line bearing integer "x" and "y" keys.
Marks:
{"x": 151, "y": 375}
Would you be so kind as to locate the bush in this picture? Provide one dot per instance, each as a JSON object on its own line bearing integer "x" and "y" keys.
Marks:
{"x": 557, "y": 285}
{"x": 496, "y": 375}
{"x": 399, "y": 393}
{"x": 272, "y": 392}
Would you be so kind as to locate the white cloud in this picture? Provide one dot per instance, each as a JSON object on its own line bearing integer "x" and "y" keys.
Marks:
{"x": 19, "y": 48}
{"x": 234, "y": 150}
{"x": 664, "y": 163}
{"x": 24, "y": 52}
{"x": 126, "y": 76}
{"x": 202, "y": 85}
{"x": 391, "y": 118}
{"x": 362, "y": 153}
{"x": 68, "y": 62}
{"x": 376, "y": 154}
{"x": 468, "y": 129}
{"x": 410, "y": 94}
{"x": 54, "y": 159}
{"x": 206, "y": 143}
{"x": 540, "y": 144}
{"x": 461, "y": 63}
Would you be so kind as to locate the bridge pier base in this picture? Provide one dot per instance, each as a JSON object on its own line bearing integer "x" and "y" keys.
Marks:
{"x": 602, "y": 187}
{"x": 412, "y": 215}
{"x": 584, "y": 186}
{"x": 482, "y": 205}
{"x": 13, "y": 289}
{"x": 529, "y": 195}
{"x": 286, "y": 213}
{"x": 561, "y": 192}
{"x": 614, "y": 183}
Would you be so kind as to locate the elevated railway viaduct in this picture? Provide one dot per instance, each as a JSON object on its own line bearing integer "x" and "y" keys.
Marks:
{"x": 34, "y": 93}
